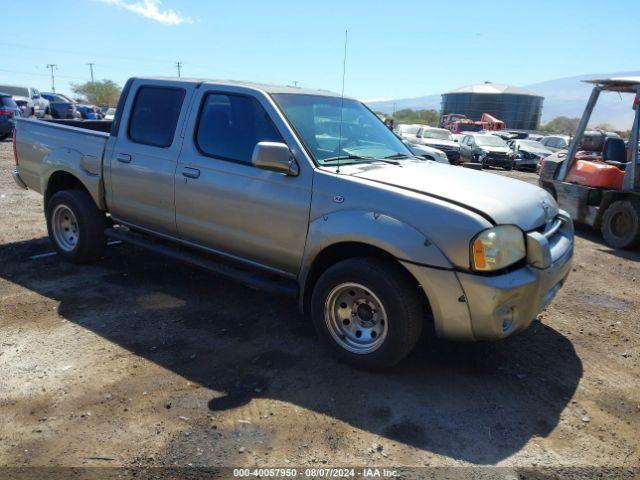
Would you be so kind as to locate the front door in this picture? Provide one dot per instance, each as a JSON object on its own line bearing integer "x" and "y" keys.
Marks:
{"x": 145, "y": 154}
{"x": 225, "y": 203}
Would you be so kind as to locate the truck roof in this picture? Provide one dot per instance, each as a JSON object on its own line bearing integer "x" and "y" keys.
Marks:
{"x": 265, "y": 87}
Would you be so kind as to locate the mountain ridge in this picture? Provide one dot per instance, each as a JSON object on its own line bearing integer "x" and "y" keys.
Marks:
{"x": 565, "y": 96}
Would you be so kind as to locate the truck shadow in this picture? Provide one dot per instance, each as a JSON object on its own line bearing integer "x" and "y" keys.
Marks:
{"x": 475, "y": 402}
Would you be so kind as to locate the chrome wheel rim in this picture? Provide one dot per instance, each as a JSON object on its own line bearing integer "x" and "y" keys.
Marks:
{"x": 356, "y": 318}
{"x": 64, "y": 227}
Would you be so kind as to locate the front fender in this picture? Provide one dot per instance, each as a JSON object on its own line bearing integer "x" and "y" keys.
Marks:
{"x": 395, "y": 237}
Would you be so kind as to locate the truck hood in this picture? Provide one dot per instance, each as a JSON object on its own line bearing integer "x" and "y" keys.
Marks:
{"x": 501, "y": 199}
{"x": 492, "y": 149}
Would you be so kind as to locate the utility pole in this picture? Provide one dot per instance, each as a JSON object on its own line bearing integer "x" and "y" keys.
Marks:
{"x": 52, "y": 66}
{"x": 179, "y": 66}
{"x": 295, "y": 83}
{"x": 91, "y": 69}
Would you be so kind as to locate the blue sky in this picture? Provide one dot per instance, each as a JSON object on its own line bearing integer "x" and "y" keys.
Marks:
{"x": 396, "y": 49}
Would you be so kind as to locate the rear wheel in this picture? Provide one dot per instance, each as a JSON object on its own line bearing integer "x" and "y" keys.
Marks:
{"x": 621, "y": 224}
{"x": 368, "y": 311}
{"x": 76, "y": 226}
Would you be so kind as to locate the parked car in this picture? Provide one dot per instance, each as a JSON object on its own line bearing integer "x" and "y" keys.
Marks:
{"x": 110, "y": 114}
{"x": 429, "y": 153}
{"x": 488, "y": 150}
{"x": 440, "y": 139}
{"x": 61, "y": 106}
{"x": 408, "y": 131}
{"x": 28, "y": 100}
{"x": 366, "y": 236}
{"x": 87, "y": 112}
{"x": 555, "y": 143}
{"x": 457, "y": 137}
{"x": 528, "y": 154}
{"x": 9, "y": 111}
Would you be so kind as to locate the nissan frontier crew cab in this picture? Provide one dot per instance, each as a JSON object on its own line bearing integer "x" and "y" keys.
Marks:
{"x": 302, "y": 192}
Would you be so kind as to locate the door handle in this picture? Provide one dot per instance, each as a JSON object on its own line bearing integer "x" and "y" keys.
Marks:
{"x": 123, "y": 157}
{"x": 190, "y": 172}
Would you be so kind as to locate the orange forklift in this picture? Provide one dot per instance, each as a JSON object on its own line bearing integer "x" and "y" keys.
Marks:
{"x": 597, "y": 180}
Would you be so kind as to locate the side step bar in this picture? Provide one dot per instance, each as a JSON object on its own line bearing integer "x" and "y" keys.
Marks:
{"x": 251, "y": 278}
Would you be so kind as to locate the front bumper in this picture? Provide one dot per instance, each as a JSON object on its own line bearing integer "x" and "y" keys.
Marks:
{"x": 18, "y": 180}
{"x": 468, "y": 306}
{"x": 497, "y": 160}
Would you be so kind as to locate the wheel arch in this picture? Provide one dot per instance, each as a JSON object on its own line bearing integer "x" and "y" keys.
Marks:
{"x": 344, "y": 250}
{"x": 62, "y": 180}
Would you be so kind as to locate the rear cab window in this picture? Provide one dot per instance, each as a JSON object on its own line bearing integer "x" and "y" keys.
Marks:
{"x": 230, "y": 125}
{"x": 154, "y": 115}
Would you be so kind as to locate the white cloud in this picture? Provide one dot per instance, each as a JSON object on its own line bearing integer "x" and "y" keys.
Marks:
{"x": 151, "y": 9}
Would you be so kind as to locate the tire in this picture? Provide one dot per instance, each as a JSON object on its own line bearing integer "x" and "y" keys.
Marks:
{"x": 370, "y": 289}
{"x": 621, "y": 224}
{"x": 509, "y": 168}
{"x": 76, "y": 226}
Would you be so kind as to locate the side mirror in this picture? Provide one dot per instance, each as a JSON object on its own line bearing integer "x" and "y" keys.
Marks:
{"x": 276, "y": 157}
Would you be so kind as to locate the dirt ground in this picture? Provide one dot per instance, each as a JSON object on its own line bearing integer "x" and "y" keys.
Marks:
{"x": 137, "y": 361}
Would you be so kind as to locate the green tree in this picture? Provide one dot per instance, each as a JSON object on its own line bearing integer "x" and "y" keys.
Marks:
{"x": 105, "y": 92}
{"x": 603, "y": 126}
{"x": 563, "y": 125}
{"x": 423, "y": 117}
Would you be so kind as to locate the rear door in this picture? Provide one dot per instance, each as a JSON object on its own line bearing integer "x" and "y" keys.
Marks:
{"x": 223, "y": 202}
{"x": 145, "y": 153}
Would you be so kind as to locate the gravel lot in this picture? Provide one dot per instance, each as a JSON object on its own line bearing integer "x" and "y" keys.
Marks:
{"x": 138, "y": 361}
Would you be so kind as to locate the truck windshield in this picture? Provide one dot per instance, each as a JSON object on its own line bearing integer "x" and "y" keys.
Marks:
{"x": 316, "y": 119}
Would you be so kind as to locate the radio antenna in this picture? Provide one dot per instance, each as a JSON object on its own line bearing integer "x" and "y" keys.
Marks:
{"x": 344, "y": 72}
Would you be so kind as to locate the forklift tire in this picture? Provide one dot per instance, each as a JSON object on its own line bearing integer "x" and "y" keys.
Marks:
{"x": 621, "y": 224}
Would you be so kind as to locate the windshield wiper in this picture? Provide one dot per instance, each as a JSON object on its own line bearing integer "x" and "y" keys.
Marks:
{"x": 398, "y": 156}
{"x": 358, "y": 157}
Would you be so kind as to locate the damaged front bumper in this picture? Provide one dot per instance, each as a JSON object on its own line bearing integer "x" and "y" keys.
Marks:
{"x": 468, "y": 306}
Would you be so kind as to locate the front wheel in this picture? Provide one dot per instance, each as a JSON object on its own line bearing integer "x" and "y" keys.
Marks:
{"x": 368, "y": 311}
{"x": 621, "y": 224}
{"x": 76, "y": 226}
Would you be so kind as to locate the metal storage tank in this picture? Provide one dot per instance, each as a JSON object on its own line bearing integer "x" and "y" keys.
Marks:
{"x": 517, "y": 107}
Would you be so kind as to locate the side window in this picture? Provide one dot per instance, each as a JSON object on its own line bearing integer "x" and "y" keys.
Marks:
{"x": 552, "y": 142}
{"x": 154, "y": 115}
{"x": 231, "y": 125}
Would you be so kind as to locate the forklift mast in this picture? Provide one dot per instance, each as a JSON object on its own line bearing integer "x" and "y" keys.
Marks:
{"x": 621, "y": 85}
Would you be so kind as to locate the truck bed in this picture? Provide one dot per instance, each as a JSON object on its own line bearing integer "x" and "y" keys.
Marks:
{"x": 72, "y": 146}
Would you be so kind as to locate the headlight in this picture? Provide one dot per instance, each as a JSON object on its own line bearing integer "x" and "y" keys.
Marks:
{"x": 440, "y": 152}
{"x": 497, "y": 248}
